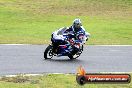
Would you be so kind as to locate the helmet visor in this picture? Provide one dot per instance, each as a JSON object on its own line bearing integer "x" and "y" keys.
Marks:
{"x": 77, "y": 25}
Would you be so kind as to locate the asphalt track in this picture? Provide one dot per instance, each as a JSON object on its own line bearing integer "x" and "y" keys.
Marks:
{"x": 16, "y": 59}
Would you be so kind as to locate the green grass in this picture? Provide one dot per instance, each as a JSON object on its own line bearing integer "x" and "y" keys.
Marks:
{"x": 52, "y": 81}
{"x": 32, "y": 22}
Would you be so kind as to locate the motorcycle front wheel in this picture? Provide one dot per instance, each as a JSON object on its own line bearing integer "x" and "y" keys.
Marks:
{"x": 48, "y": 54}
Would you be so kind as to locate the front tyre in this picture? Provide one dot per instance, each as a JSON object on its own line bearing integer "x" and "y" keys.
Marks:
{"x": 48, "y": 54}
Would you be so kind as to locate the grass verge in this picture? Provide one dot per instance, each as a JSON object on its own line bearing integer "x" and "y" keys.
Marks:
{"x": 26, "y": 22}
{"x": 51, "y": 81}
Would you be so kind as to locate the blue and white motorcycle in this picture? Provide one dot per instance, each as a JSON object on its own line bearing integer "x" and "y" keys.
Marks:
{"x": 61, "y": 46}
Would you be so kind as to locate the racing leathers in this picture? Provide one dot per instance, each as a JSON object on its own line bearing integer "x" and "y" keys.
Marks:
{"x": 76, "y": 38}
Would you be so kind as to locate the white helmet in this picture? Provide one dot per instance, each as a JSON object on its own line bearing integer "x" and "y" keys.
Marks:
{"x": 77, "y": 23}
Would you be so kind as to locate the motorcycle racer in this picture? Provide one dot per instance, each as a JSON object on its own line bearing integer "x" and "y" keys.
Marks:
{"x": 76, "y": 29}
{"x": 76, "y": 33}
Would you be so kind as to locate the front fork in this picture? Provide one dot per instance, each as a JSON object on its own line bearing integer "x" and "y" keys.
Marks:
{"x": 54, "y": 51}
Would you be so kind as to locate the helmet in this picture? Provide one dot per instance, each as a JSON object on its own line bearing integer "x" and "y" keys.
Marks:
{"x": 77, "y": 24}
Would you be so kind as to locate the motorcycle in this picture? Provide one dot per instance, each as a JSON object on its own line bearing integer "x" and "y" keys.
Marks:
{"x": 63, "y": 46}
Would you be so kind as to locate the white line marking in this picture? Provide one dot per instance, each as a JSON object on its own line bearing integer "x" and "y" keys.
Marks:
{"x": 47, "y": 44}
{"x": 64, "y": 74}
{"x": 108, "y": 45}
{"x": 15, "y": 44}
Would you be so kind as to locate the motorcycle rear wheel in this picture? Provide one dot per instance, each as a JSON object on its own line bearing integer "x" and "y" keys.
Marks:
{"x": 74, "y": 56}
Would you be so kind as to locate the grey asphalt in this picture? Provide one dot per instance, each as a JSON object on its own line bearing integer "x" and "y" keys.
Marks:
{"x": 16, "y": 59}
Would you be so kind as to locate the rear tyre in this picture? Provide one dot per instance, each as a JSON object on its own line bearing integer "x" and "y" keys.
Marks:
{"x": 48, "y": 54}
{"x": 72, "y": 57}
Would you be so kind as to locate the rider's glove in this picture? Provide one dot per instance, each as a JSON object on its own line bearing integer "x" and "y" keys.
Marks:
{"x": 71, "y": 41}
